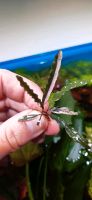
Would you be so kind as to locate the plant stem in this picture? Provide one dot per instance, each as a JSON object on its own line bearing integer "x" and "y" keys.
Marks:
{"x": 45, "y": 175}
{"x": 38, "y": 176}
{"x": 30, "y": 194}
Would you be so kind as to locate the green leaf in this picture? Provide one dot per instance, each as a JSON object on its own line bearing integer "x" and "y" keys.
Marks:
{"x": 90, "y": 185}
{"x": 73, "y": 84}
{"x": 68, "y": 86}
{"x": 75, "y": 158}
{"x": 75, "y": 183}
{"x": 59, "y": 151}
{"x": 66, "y": 101}
{"x": 26, "y": 153}
{"x": 76, "y": 137}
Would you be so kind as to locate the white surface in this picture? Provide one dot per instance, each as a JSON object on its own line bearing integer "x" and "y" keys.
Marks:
{"x": 34, "y": 26}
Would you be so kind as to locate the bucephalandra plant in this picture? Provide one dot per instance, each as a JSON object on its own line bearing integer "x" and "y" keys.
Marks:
{"x": 55, "y": 111}
{"x": 51, "y": 83}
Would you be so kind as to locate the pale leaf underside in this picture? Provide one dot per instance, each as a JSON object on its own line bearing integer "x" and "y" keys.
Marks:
{"x": 53, "y": 77}
{"x": 63, "y": 110}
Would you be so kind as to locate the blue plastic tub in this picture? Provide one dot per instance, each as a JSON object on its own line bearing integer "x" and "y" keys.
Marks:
{"x": 44, "y": 60}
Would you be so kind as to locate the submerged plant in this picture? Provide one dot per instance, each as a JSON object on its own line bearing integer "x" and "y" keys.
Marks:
{"x": 55, "y": 112}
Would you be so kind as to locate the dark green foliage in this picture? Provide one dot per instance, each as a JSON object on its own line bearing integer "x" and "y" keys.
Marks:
{"x": 59, "y": 151}
{"x": 75, "y": 182}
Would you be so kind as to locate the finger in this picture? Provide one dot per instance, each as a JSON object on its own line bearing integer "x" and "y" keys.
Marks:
{"x": 40, "y": 139}
{"x": 11, "y": 113}
{"x": 7, "y": 114}
{"x": 14, "y": 133}
{"x": 2, "y": 105}
{"x": 53, "y": 128}
{"x": 18, "y": 106}
{"x": 3, "y": 116}
{"x": 10, "y": 88}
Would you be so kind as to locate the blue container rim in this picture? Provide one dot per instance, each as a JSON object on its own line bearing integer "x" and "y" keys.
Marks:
{"x": 43, "y": 60}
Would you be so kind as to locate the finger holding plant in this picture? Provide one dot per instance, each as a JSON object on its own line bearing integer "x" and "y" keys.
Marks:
{"x": 15, "y": 102}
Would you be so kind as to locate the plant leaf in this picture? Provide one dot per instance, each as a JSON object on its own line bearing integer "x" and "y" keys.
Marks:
{"x": 68, "y": 86}
{"x": 28, "y": 117}
{"x": 63, "y": 110}
{"x": 53, "y": 77}
{"x": 73, "y": 84}
{"x": 29, "y": 90}
{"x": 28, "y": 152}
{"x": 76, "y": 137}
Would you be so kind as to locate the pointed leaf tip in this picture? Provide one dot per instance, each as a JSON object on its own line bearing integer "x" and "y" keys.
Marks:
{"x": 60, "y": 55}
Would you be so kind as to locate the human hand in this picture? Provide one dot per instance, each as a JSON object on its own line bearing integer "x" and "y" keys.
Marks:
{"x": 15, "y": 103}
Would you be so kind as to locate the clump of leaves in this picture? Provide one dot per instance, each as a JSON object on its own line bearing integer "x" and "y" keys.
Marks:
{"x": 56, "y": 111}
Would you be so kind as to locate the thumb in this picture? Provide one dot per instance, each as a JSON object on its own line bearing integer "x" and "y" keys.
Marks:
{"x": 15, "y": 133}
